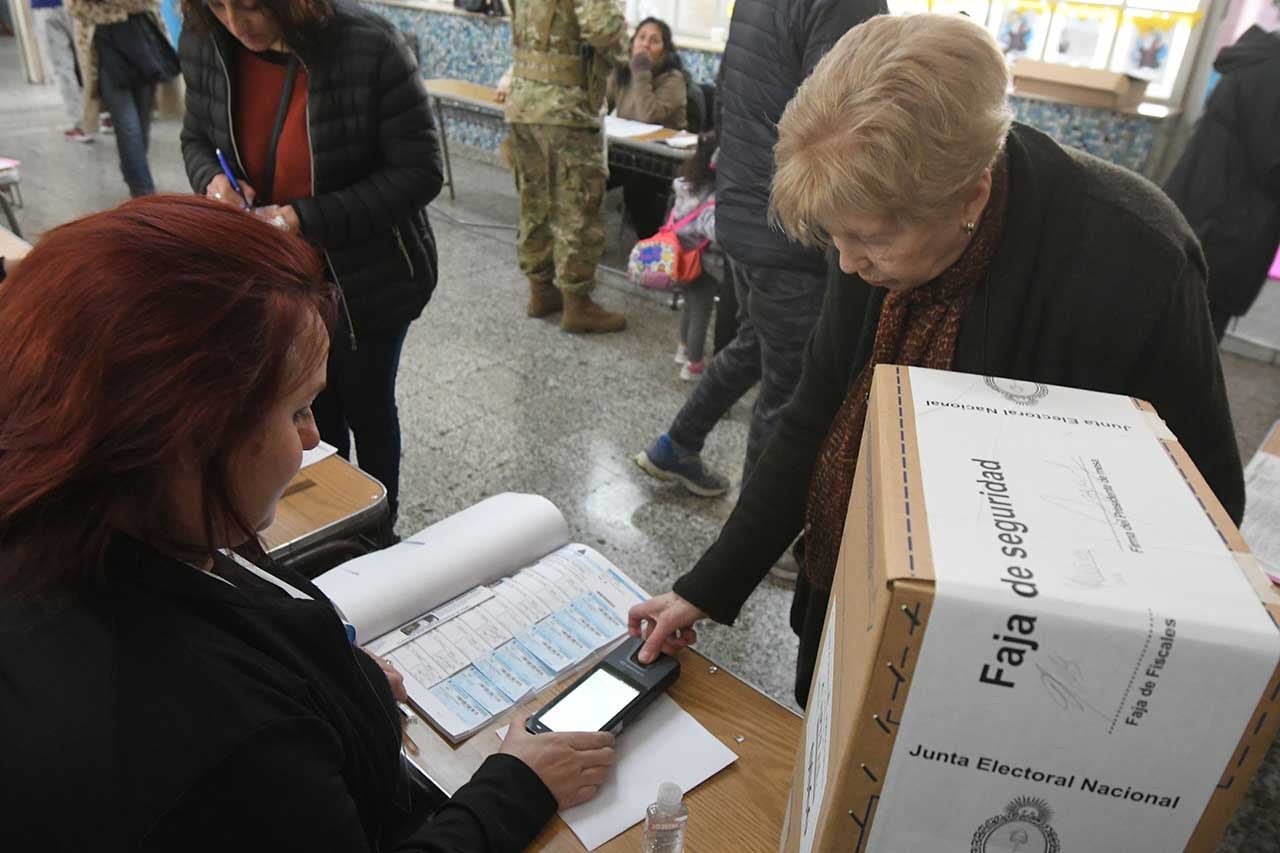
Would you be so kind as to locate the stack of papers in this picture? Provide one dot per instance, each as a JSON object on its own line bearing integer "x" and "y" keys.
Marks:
{"x": 1261, "y": 527}
{"x": 478, "y": 655}
{"x": 683, "y": 139}
{"x": 621, "y": 128}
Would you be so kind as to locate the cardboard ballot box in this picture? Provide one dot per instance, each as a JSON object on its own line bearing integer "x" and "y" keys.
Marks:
{"x": 1087, "y": 87}
{"x": 1044, "y": 635}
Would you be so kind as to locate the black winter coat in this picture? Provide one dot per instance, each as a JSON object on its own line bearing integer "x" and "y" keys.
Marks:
{"x": 165, "y": 710}
{"x": 772, "y": 47}
{"x": 375, "y": 158}
{"x": 1098, "y": 283}
{"x": 1227, "y": 182}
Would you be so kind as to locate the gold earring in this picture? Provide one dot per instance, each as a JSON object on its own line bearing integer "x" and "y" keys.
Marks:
{"x": 970, "y": 227}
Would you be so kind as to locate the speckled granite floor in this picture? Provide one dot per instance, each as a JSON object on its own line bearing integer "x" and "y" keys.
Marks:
{"x": 491, "y": 401}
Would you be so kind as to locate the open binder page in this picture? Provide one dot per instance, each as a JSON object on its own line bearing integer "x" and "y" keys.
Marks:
{"x": 381, "y": 591}
{"x": 478, "y": 655}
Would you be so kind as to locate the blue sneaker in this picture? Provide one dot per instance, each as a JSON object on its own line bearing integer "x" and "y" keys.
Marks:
{"x": 668, "y": 461}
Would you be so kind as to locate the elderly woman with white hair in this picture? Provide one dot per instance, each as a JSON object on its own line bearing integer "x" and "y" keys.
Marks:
{"x": 966, "y": 242}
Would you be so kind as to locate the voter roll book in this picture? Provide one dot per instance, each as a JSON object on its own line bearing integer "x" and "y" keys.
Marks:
{"x": 485, "y": 608}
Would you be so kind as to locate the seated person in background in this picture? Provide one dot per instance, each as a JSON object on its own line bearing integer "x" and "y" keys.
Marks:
{"x": 695, "y": 193}
{"x": 157, "y": 367}
{"x": 967, "y": 243}
{"x": 652, "y": 89}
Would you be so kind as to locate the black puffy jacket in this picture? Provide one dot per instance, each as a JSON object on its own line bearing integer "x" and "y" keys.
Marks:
{"x": 375, "y": 158}
{"x": 1227, "y": 182}
{"x": 772, "y": 47}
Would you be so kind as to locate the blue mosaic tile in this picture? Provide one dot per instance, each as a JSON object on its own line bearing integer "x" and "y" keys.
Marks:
{"x": 476, "y": 48}
{"x": 461, "y": 47}
{"x": 476, "y": 131}
{"x": 702, "y": 65}
{"x": 1124, "y": 139}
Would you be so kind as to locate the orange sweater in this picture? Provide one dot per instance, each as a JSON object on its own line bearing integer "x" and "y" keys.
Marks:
{"x": 259, "y": 84}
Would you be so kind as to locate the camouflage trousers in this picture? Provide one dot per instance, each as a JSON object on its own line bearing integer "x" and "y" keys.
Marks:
{"x": 560, "y": 174}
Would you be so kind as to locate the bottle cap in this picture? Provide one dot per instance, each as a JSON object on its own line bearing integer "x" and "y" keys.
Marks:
{"x": 669, "y": 795}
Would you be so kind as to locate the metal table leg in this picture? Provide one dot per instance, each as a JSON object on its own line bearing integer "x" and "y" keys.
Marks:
{"x": 8, "y": 214}
{"x": 444, "y": 145}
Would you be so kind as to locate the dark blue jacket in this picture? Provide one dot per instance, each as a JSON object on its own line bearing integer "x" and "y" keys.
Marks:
{"x": 773, "y": 45}
{"x": 1227, "y": 182}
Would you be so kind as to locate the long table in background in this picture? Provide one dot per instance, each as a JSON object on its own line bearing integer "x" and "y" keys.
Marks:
{"x": 640, "y": 153}
{"x": 741, "y": 808}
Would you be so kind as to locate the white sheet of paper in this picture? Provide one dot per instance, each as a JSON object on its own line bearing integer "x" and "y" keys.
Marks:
{"x": 1261, "y": 528}
{"x": 323, "y": 450}
{"x": 665, "y": 745}
{"x": 682, "y": 140}
{"x": 622, "y": 128}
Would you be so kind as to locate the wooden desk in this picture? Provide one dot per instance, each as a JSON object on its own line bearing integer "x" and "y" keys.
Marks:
{"x": 329, "y": 501}
{"x": 739, "y": 809}
{"x": 12, "y": 247}
{"x": 643, "y": 153}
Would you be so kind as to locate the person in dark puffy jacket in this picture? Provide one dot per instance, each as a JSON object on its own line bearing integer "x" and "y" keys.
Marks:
{"x": 1227, "y": 182}
{"x": 772, "y": 47}
{"x": 320, "y": 112}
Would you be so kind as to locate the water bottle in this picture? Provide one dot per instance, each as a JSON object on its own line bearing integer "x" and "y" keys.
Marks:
{"x": 664, "y": 821}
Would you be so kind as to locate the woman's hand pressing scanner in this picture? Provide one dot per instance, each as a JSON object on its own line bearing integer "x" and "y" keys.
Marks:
{"x": 571, "y": 764}
{"x": 666, "y": 623}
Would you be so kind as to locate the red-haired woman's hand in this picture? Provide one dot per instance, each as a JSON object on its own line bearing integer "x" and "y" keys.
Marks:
{"x": 394, "y": 678}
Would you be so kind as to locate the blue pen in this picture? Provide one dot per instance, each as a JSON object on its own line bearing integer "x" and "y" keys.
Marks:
{"x": 226, "y": 170}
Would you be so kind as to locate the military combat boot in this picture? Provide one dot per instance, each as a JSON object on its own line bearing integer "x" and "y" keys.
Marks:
{"x": 544, "y": 298}
{"x": 581, "y": 314}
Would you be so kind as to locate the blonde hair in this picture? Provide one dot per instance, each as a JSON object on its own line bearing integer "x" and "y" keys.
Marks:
{"x": 899, "y": 119}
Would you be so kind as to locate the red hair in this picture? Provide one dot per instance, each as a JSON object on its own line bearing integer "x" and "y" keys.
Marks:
{"x": 129, "y": 340}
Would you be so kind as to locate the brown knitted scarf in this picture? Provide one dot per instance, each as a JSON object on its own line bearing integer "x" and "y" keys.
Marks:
{"x": 917, "y": 327}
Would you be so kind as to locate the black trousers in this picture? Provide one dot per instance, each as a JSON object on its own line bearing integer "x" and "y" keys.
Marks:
{"x": 361, "y": 399}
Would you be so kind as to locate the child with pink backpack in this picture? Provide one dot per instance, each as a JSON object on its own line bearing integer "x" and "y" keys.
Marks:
{"x": 682, "y": 256}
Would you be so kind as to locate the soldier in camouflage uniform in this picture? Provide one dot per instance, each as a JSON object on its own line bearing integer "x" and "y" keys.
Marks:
{"x": 564, "y": 51}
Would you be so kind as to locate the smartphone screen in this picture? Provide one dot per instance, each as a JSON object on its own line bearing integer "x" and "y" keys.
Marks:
{"x": 590, "y": 705}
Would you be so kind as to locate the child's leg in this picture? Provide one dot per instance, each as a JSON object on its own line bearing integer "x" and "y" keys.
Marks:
{"x": 685, "y": 315}
{"x": 699, "y": 301}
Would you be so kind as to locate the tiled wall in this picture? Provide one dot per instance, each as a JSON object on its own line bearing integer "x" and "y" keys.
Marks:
{"x": 477, "y": 48}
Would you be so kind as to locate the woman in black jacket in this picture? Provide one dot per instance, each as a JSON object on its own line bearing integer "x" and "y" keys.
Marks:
{"x": 1227, "y": 181}
{"x": 158, "y": 693}
{"x": 964, "y": 243}
{"x": 319, "y": 111}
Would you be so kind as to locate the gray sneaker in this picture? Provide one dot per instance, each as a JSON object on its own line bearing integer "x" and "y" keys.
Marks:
{"x": 786, "y": 569}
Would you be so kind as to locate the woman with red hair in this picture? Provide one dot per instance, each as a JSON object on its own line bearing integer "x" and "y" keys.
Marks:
{"x": 157, "y": 367}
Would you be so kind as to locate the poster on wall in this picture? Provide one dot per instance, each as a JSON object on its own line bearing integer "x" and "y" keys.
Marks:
{"x": 1022, "y": 29}
{"x": 1149, "y": 55}
{"x": 1081, "y": 35}
{"x": 1152, "y": 45}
